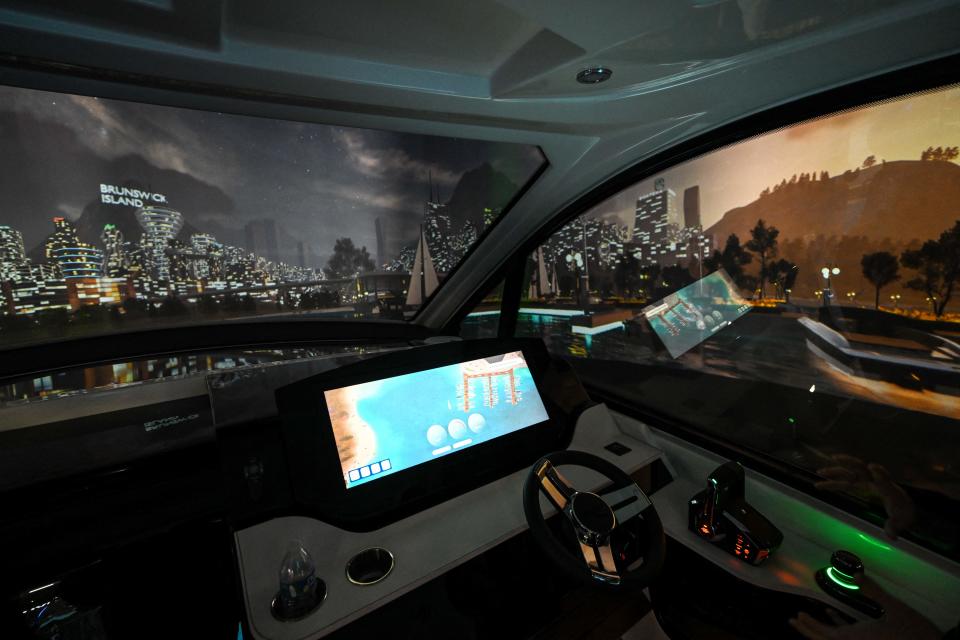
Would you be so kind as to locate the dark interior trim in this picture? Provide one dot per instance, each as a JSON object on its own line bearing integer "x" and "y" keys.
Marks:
{"x": 510, "y": 299}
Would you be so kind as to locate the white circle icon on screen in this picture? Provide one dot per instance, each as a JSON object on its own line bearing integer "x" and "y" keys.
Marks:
{"x": 457, "y": 429}
{"x": 436, "y": 434}
{"x": 476, "y": 422}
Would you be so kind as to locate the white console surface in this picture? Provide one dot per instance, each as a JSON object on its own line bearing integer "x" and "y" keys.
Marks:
{"x": 424, "y": 545}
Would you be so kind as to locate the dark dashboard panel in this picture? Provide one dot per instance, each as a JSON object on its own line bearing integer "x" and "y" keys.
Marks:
{"x": 314, "y": 466}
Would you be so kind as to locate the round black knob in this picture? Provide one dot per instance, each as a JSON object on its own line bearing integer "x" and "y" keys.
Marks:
{"x": 846, "y": 563}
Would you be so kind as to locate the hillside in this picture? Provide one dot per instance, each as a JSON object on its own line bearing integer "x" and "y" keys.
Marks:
{"x": 481, "y": 187}
{"x": 902, "y": 200}
{"x": 136, "y": 172}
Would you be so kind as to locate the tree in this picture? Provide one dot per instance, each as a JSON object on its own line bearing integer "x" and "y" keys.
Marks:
{"x": 943, "y": 154}
{"x": 671, "y": 279}
{"x": 880, "y": 268}
{"x": 763, "y": 241}
{"x": 937, "y": 263}
{"x": 347, "y": 260}
{"x": 649, "y": 279}
{"x": 626, "y": 275}
{"x": 869, "y": 161}
{"x": 731, "y": 259}
{"x": 783, "y": 273}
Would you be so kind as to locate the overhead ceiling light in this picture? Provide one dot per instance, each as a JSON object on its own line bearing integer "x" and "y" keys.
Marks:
{"x": 593, "y": 75}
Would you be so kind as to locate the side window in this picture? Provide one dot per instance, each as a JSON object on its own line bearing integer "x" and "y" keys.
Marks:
{"x": 484, "y": 320}
{"x": 796, "y": 294}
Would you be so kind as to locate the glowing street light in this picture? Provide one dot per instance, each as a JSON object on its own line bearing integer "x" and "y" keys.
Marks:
{"x": 826, "y": 272}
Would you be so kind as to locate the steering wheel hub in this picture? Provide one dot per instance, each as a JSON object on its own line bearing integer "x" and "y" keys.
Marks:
{"x": 591, "y": 516}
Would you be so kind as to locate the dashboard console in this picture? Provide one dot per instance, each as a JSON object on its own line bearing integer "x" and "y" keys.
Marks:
{"x": 388, "y": 436}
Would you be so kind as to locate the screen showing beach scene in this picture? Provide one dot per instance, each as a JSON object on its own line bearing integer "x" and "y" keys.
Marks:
{"x": 389, "y": 425}
{"x": 687, "y": 317}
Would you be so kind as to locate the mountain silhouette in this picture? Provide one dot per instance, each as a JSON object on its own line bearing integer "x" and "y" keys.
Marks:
{"x": 183, "y": 192}
{"x": 905, "y": 200}
{"x": 478, "y": 188}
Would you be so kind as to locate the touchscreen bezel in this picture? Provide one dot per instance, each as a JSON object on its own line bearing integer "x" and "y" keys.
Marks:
{"x": 314, "y": 462}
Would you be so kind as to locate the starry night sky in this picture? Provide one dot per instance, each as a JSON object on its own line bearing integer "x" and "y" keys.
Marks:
{"x": 318, "y": 182}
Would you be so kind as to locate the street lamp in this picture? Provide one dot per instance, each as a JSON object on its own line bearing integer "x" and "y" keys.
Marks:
{"x": 826, "y": 272}
{"x": 896, "y": 300}
{"x": 575, "y": 263}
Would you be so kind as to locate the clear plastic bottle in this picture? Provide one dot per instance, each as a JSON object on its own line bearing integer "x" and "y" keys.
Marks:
{"x": 299, "y": 590}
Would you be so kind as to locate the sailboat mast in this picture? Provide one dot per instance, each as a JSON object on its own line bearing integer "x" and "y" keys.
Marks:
{"x": 423, "y": 270}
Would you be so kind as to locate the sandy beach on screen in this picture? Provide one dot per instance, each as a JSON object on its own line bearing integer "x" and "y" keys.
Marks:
{"x": 356, "y": 440}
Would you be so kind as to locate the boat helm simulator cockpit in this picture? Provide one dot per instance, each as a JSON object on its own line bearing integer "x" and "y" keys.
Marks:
{"x": 498, "y": 319}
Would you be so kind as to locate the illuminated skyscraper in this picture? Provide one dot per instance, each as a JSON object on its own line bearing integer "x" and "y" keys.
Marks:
{"x": 114, "y": 255}
{"x": 64, "y": 235}
{"x": 79, "y": 261}
{"x": 160, "y": 225}
{"x": 691, "y": 206}
{"x": 76, "y": 259}
{"x": 657, "y": 216}
{"x": 201, "y": 245}
{"x": 436, "y": 229}
{"x": 11, "y": 251}
{"x": 36, "y": 288}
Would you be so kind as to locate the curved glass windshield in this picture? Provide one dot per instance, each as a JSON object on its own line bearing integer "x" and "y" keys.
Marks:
{"x": 117, "y": 215}
{"x": 796, "y": 295}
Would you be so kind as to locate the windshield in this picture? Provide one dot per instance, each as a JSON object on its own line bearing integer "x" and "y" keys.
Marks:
{"x": 794, "y": 295}
{"x": 118, "y": 215}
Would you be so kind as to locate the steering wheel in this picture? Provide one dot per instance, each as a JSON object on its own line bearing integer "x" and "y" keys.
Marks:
{"x": 596, "y": 521}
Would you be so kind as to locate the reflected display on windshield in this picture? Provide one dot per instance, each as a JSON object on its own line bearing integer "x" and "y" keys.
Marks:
{"x": 690, "y": 315}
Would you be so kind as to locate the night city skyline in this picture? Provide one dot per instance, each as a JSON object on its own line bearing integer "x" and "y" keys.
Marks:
{"x": 223, "y": 171}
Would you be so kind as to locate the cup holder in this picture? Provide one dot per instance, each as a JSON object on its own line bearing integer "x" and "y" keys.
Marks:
{"x": 370, "y": 566}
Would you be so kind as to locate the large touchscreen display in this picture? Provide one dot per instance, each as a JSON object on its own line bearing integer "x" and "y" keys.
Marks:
{"x": 388, "y": 425}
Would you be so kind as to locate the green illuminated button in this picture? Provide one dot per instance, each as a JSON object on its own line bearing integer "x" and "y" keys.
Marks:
{"x": 842, "y": 579}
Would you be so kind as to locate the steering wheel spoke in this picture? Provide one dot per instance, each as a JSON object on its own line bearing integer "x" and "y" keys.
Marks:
{"x": 626, "y": 502}
{"x": 554, "y": 485}
{"x": 600, "y": 561}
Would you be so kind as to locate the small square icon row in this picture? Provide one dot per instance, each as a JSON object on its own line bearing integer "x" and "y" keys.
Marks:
{"x": 369, "y": 470}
